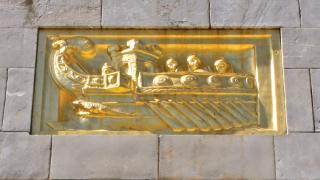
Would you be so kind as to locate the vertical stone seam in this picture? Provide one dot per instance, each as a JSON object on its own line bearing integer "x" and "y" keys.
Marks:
{"x": 209, "y": 11}
{"x": 312, "y": 105}
{"x": 34, "y": 80}
{"x": 101, "y": 14}
{"x": 4, "y": 98}
{"x": 300, "y": 17}
{"x": 158, "y": 163}
{"x": 274, "y": 160}
{"x": 50, "y": 158}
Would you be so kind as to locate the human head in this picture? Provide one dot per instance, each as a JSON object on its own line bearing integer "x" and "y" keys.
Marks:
{"x": 171, "y": 65}
{"x": 194, "y": 62}
{"x": 222, "y": 66}
{"x": 105, "y": 66}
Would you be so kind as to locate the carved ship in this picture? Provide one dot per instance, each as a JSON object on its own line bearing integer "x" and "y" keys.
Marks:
{"x": 138, "y": 84}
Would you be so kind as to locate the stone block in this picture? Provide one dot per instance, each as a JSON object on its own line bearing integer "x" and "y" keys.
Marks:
{"x": 216, "y": 157}
{"x": 298, "y": 100}
{"x": 297, "y": 156}
{"x": 155, "y": 13}
{"x": 315, "y": 84}
{"x": 18, "y": 105}
{"x": 104, "y": 157}
{"x": 31, "y": 13}
{"x": 23, "y": 156}
{"x": 276, "y": 13}
{"x": 3, "y": 83}
{"x": 65, "y": 13}
{"x": 310, "y": 16}
{"x": 301, "y": 47}
{"x": 17, "y": 47}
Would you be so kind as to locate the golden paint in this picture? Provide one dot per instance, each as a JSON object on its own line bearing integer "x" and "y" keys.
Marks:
{"x": 159, "y": 81}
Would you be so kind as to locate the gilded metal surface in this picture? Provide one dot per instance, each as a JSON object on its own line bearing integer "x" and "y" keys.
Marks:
{"x": 159, "y": 81}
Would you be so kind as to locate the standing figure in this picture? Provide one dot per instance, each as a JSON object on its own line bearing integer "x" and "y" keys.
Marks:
{"x": 194, "y": 64}
{"x": 106, "y": 69}
{"x": 107, "y": 78}
{"x": 172, "y": 65}
{"x": 222, "y": 66}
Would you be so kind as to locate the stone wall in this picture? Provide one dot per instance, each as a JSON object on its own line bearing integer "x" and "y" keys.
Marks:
{"x": 294, "y": 156}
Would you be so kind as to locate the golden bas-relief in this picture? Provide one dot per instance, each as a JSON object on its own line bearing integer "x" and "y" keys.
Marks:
{"x": 159, "y": 81}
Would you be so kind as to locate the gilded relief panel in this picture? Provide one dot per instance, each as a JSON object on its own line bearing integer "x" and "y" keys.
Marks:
{"x": 159, "y": 81}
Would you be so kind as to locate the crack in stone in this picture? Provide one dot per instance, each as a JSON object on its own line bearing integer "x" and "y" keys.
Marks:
{"x": 300, "y": 17}
{"x": 30, "y": 12}
{"x": 312, "y": 103}
{"x": 5, "y": 96}
{"x": 262, "y": 10}
{"x": 34, "y": 10}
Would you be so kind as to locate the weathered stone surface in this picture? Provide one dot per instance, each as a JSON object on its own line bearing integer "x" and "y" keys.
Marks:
{"x": 23, "y": 156}
{"x": 29, "y": 13}
{"x": 216, "y": 157}
{"x": 283, "y": 13}
{"x": 315, "y": 84}
{"x": 298, "y": 100}
{"x": 310, "y": 16}
{"x": 105, "y": 157}
{"x": 3, "y": 83}
{"x": 13, "y": 13}
{"x": 297, "y": 156}
{"x": 155, "y": 13}
{"x": 301, "y": 48}
{"x": 17, "y": 111}
{"x": 17, "y": 47}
